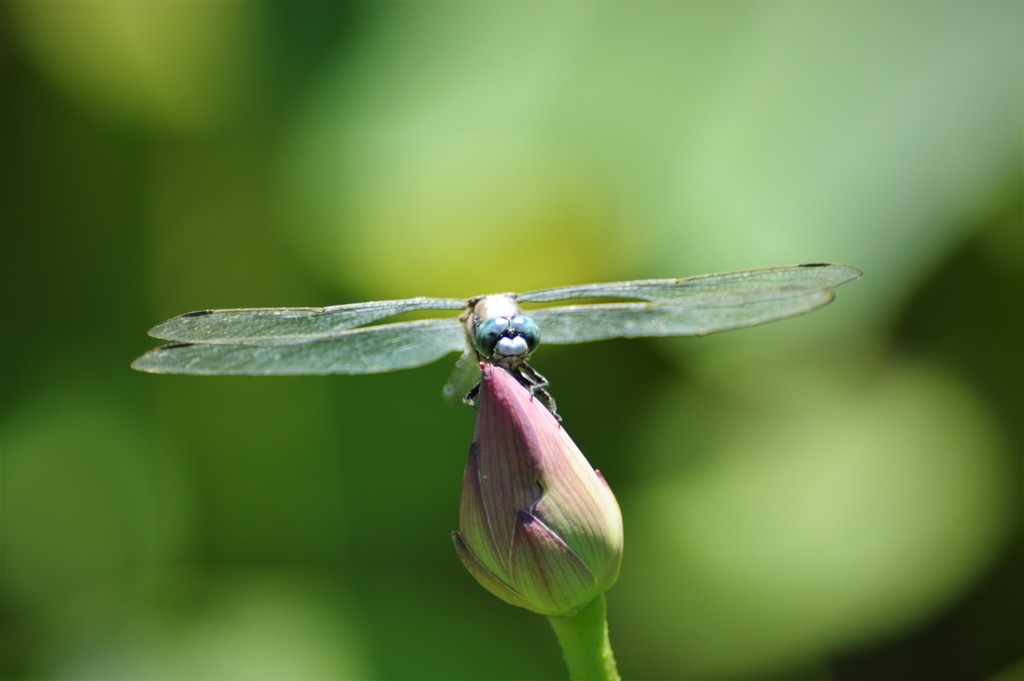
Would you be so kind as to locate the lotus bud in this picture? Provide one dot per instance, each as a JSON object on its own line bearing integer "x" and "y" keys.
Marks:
{"x": 539, "y": 527}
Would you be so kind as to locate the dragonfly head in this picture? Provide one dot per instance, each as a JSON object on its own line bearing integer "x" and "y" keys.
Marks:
{"x": 506, "y": 339}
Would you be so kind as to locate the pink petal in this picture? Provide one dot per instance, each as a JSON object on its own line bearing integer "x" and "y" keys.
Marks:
{"x": 485, "y": 577}
{"x": 547, "y": 572}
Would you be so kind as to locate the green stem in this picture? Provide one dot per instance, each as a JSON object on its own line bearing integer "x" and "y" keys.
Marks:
{"x": 585, "y": 643}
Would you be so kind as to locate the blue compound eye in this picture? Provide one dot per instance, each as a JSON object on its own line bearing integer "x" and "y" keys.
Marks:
{"x": 527, "y": 328}
{"x": 488, "y": 333}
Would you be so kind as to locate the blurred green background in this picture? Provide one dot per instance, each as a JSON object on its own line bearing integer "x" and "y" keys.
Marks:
{"x": 832, "y": 497}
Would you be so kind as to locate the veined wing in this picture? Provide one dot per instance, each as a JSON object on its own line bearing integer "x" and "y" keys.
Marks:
{"x": 368, "y": 350}
{"x": 727, "y": 301}
{"x": 286, "y": 325}
{"x": 788, "y": 279}
{"x": 465, "y": 375}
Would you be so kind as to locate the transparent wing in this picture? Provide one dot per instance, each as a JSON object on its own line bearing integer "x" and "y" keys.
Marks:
{"x": 464, "y": 377}
{"x": 709, "y": 304}
{"x": 284, "y": 325}
{"x": 369, "y": 350}
{"x": 788, "y": 279}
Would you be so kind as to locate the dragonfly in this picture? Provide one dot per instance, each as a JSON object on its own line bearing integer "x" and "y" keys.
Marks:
{"x": 347, "y": 339}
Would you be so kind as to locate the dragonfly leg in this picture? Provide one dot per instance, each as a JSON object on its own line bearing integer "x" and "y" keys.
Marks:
{"x": 470, "y": 397}
{"x": 531, "y": 379}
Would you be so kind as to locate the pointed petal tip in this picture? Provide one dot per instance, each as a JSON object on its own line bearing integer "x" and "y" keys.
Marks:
{"x": 547, "y": 571}
{"x": 503, "y": 399}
